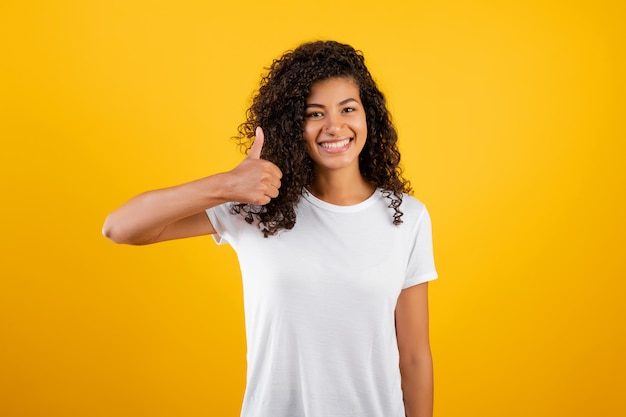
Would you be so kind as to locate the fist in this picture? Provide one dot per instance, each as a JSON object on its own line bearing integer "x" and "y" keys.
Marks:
{"x": 254, "y": 180}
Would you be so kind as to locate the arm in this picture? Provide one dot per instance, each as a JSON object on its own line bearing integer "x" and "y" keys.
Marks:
{"x": 416, "y": 366}
{"x": 178, "y": 212}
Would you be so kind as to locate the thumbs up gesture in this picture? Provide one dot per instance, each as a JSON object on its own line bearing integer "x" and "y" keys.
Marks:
{"x": 254, "y": 180}
{"x": 257, "y": 145}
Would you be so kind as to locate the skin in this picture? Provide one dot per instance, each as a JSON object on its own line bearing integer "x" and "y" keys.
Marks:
{"x": 180, "y": 210}
{"x": 334, "y": 114}
{"x": 416, "y": 363}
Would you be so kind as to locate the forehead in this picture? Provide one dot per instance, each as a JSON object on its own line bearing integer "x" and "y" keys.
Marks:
{"x": 339, "y": 88}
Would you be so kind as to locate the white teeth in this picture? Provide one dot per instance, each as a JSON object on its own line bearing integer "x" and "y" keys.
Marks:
{"x": 335, "y": 145}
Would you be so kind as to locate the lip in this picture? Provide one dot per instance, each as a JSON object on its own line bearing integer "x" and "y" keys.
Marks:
{"x": 334, "y": 143}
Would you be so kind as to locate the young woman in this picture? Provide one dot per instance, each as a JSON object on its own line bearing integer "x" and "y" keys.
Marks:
{"x": 335, "y": 255}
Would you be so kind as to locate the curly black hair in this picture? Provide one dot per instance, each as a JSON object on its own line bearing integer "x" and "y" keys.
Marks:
{"x": 279, "y": 108}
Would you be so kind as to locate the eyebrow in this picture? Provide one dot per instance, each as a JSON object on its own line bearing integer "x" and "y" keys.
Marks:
{"x": 341, "y": 103}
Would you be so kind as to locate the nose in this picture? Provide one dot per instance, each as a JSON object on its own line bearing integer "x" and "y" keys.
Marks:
{"x": 333, "y": 125}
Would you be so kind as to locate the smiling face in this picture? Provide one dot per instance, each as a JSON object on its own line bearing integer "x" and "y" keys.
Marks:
{"x": 335, "y": 127}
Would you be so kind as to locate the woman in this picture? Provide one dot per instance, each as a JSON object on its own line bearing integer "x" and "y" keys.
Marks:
{"x": 335, "y": 255}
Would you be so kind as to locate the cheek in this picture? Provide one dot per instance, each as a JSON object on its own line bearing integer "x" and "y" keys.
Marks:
{"x": 309, "y": 137}
{"x": 307, "y": 147}
{"x": 363, "y": 122}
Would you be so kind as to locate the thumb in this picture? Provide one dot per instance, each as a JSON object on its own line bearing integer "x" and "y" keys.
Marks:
{"x": 257, "y": 145}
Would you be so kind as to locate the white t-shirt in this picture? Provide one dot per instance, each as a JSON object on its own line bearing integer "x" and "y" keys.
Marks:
{"x": 319, "y": 305}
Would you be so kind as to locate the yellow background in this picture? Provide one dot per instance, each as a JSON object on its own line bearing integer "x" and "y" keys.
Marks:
{"x": 511, "y": 118}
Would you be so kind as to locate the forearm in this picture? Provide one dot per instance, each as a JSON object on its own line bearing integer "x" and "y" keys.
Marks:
{"x": 417, "y": 386}
{"x": 144, "y": 217}
{"x": 177, "y": 212}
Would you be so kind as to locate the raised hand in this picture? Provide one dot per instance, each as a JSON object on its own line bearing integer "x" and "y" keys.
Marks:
{"x": 254, "y": 180}
{"x": 177, "y": 212}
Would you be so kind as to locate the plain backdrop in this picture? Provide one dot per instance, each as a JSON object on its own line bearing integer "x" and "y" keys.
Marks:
{"x": 511, "y": 123}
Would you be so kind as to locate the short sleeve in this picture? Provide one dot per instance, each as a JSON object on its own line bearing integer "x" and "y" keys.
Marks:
{"x": 421, "y": 265}
{"x": 219, "y": 216}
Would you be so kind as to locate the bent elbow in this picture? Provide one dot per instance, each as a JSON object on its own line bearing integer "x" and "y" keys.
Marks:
{"x": 116, "y": 233}
{"x": 110, "y": 231}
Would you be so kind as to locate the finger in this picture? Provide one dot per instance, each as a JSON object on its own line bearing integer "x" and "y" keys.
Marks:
{"x": 276, "y": 171}
{"x": 272, "y": 192}
{"x": 274, "y": 178}
{"x": 257, "y": 145}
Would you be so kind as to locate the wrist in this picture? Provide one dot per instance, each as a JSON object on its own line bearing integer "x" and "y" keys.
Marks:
{"x": 217, "y": 189}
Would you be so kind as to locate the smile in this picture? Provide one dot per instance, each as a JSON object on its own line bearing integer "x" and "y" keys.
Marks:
{"x": 335, "y": 145}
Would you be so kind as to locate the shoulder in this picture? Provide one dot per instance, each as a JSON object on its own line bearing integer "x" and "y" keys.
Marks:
{"x": 413, "y": 204}
{"x": 220, "y": 211}
{"x": 411, "y": 207}
{"x": 413, "y": 213}
{"x": 226, "y": 216}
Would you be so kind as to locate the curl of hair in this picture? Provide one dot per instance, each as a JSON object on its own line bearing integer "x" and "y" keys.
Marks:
{"x": 279, "y": 108}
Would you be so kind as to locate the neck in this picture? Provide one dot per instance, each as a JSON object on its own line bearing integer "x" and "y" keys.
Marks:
{"x": 340, "y": 188}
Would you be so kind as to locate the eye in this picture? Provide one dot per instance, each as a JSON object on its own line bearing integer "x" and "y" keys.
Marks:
{"x": 313, "y": 114}
{"x": 349, "y": 109}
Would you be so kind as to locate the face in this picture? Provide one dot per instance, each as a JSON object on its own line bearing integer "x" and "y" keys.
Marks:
{"x": 335, "y": 129}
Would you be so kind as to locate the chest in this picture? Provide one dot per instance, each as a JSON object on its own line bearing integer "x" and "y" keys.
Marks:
{"x": 332, "y": 259}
